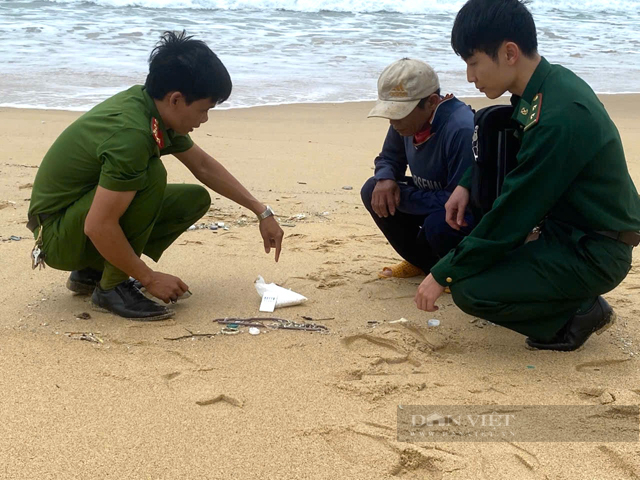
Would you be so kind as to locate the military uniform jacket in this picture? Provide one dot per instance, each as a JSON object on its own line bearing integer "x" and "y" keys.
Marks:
{"x": 110, "y": 145}
{"x": 570, "y": 168}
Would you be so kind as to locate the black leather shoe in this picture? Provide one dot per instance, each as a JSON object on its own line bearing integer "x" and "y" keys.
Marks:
{"x": 573, "y": 335}
{"x": 84, "y": 282}
{"x": 128, "y": 302}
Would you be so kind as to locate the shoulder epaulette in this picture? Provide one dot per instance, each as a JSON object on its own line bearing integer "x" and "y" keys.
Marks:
{"x": 534, "y": 113}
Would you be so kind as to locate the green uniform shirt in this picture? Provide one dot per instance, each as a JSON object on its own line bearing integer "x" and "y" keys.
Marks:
{"x": 571, "y": 167}
{"x": 110, "y": 145}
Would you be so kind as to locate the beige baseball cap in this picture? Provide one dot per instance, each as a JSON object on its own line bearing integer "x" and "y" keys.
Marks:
{"x": 401, "y": 86}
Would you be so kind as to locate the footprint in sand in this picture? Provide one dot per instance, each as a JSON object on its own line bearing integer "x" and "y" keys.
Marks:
{"x": 392, "y": 367}
{"x": 296, "y": 242}
{"x": 327, "y": 278}
{"x": 374, "y": 388}
{"x": 380, "y": 349}
{"x": 328, "y": 245}
{"x": 597, "y": 394}
{"x": 377, "y": 444}
{"x": 411, "y": 337}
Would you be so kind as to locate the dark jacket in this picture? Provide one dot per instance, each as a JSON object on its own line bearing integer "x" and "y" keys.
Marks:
{"x": 436, "y": 164}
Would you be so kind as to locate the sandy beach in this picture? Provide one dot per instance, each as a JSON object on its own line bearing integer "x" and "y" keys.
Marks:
{"x": 135, "y": 404}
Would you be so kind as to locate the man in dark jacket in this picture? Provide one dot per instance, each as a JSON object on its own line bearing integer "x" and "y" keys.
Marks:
{"x": 432, "y": 135}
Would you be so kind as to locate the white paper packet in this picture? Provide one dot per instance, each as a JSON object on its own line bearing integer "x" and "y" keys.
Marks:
{"x": 286, "y": 297}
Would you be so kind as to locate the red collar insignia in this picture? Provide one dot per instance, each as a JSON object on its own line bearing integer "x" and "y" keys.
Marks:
{"x": 157, "y": 133}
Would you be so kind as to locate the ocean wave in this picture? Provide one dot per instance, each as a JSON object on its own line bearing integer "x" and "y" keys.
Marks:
{"x": 355, "y": 6}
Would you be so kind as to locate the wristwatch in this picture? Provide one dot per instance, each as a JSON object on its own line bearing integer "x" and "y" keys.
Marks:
{"x": 267, "y": 213}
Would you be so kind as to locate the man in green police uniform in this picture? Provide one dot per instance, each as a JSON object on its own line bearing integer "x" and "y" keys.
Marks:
{"x": 571, "y": 181}
{"x": 101, "y": 199}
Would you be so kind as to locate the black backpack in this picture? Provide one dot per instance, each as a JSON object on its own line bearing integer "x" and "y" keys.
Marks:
{"x": 495, "y": 147}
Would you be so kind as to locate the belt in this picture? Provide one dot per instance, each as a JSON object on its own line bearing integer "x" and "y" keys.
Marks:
{"x": 33, "y": 221}
{"x": 630, "y": 238}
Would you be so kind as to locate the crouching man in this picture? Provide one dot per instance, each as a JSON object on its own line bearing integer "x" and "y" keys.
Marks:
{"x": 432, "y": 135}
{"x": 561, "y": 232}
{"x": 101, "y": 199}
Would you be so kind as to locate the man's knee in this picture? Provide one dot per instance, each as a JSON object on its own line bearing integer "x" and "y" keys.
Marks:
{"x": 198, "y": 198}
{"x": 366, "y": 192}
{"x": 465, "y": 295}
{"x": 202, "y": 197}
{"x": 439, "y": 235}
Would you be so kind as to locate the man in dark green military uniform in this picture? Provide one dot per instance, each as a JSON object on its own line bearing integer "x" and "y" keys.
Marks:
{"x": 101, "y": 199}
{"x": 571, "y": 181}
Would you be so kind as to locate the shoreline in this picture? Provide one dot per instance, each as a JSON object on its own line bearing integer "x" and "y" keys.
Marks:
{"x": 465, "y": 98}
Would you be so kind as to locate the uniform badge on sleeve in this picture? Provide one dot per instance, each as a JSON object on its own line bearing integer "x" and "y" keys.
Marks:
{"x": 157, "y": 133}
{"x": 534, "y": 113}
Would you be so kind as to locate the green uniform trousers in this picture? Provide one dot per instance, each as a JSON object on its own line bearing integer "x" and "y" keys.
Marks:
{"x": 538, "y": 287}
{"x": 156, "y": 217}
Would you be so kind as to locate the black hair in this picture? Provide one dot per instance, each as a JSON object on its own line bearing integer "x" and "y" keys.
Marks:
{"x": 422, "y": 101}
{"x": 484, "y": 25}
{"x": 180, "y": 63}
